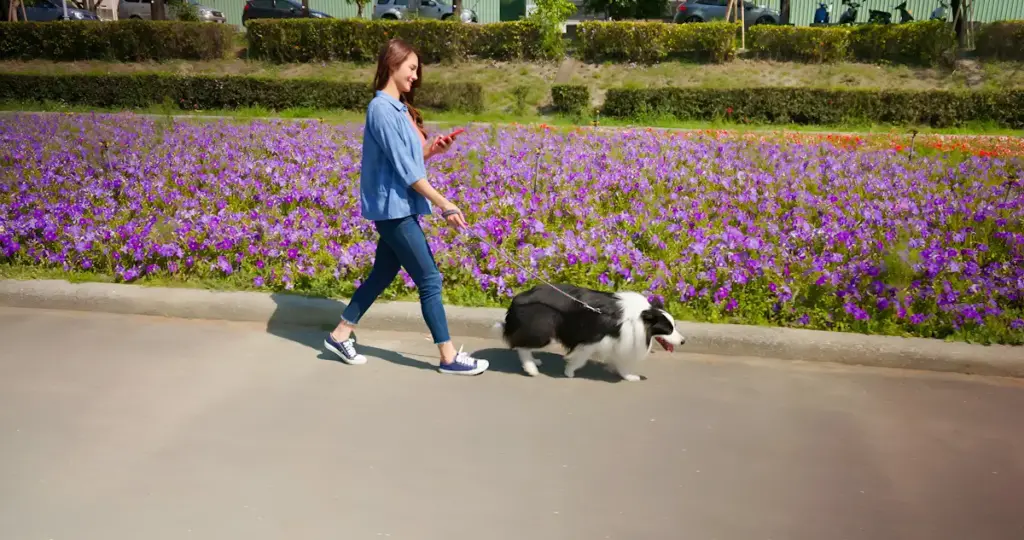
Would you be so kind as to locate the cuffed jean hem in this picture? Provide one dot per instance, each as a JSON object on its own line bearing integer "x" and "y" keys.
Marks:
{"x": 403, "y": 245}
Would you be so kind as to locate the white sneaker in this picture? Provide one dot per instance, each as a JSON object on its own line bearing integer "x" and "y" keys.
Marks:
{"x": 464, "y": 364}
{"x": 345, "y": 350}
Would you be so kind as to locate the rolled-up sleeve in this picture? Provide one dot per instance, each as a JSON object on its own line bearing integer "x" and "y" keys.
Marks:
{"x": 402, "y": 151}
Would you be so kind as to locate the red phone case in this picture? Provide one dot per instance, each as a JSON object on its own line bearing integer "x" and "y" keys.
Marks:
{"x": 451, "y": 136}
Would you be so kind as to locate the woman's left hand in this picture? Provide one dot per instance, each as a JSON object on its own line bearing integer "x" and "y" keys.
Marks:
{"x": 440, "y": 144}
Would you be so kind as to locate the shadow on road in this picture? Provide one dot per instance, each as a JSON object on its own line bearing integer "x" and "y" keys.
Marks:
{"x": 281, "y": 324}
{"x": 553, "y": 365}
{"x": 299, "y": 322}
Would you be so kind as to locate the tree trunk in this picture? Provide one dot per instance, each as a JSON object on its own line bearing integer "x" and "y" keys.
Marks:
{"x": 158, "y": 12}
{"x": 784, "y": 11}
{"x": 958, "y": 18}
{"x": 457, "y": 11}
{"x": 359, "y": 9}
{"x": 305, "y": 8}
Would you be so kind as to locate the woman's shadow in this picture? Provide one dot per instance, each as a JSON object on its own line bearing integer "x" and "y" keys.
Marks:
{"x": 302, "y": 319}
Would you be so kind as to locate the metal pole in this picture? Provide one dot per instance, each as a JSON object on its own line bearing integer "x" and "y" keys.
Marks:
{"x": 65, "y": 4}
{"x": 743, "y": 24}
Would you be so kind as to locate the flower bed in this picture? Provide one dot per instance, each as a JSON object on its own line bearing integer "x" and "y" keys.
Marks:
{"x": 830, "y": 232}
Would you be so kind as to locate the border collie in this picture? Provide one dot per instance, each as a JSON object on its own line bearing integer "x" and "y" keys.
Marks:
{"x": 619, "y": 336}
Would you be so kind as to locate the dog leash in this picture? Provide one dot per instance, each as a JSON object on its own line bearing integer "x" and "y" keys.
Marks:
{"x": 480, "y": 239}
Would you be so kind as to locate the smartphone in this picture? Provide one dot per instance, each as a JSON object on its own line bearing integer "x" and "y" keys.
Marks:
{"x": 451, "y": 136}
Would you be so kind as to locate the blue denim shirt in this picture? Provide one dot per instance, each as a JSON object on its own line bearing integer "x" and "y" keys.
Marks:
{"x": 392, "y": 162}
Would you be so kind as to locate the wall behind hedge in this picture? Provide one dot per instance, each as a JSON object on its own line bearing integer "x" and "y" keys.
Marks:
{"x": 801, "y": 12}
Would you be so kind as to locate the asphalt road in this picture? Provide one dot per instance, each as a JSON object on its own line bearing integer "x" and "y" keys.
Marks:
{"x": 127, "y": 427}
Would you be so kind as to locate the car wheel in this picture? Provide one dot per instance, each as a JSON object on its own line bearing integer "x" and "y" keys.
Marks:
{"x": 764, "y": 19}
{"x": 693, "y": 19}
{"x": 389, "y": 17}
{"x": 136, "y": 17}
{"x": 446, "y": 16}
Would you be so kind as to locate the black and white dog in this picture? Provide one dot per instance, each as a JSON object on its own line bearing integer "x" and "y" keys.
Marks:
{"x": 620, "y": 335}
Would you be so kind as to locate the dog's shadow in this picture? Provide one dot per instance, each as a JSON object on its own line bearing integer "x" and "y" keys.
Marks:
{"x": 297, "y": 321}
{"x": 552, "y": 365}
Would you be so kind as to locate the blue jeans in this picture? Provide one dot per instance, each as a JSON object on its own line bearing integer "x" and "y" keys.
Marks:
{"x": 402, "y": 245}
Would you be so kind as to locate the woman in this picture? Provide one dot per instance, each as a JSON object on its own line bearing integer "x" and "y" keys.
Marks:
{"x": 394, "y": 192}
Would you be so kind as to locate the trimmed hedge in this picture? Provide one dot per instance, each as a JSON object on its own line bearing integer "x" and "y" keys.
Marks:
{"x": 125, "y": 41}
{"x": 1003, "y": 40}
{"x": 516, "y": 40}
{"x": 570, "y": 98}
{"x": 820, "y": 106}
{"x": 648, "y": 42}
{"x": 321, "y": 40}
{"x": 800, "y": 43}
{"x": 221, "y": 92}
{"x": 920, "y": 42}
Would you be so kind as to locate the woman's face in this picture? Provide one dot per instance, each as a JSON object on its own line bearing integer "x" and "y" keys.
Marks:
{"x": 405, "y": 75}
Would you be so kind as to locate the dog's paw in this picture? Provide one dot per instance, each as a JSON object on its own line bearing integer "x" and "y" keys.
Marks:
{"x": 538, "y": 362}
{"x": 570, "y": 373}
{"x": 631, "y": 377}
{"x": 531, "y": 369}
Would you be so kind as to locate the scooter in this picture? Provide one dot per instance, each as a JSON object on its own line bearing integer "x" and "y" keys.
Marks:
{"x": 850, "y": 15}
{"x": 821, "y": 15}
{"x": 940, "y": 12}
{"x": 905, "y": 15}
{"x": 876, "y": 16}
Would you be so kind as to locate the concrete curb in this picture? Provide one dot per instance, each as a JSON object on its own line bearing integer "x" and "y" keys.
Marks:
{"x": 722, "y": 339}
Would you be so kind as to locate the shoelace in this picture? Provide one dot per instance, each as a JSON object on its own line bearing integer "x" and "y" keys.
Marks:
{"x": 464, "y": 358}
{"x": 348, "y": 348}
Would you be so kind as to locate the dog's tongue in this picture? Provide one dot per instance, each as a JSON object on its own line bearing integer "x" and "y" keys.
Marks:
{"x": 668, "y": 346}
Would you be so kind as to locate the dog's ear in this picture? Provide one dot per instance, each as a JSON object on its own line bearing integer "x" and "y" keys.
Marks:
{"x": 656, "y": 302}
{"x": 649, "y": 316}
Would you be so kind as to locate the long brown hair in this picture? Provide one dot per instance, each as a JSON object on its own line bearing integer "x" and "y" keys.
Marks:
{"x": 390, "y": 58}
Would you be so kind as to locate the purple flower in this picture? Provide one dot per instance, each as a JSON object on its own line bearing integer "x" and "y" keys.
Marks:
{"x": 855, "y": 311}
{"x": 794, "y": 226}
{"x": 223, "y": 265}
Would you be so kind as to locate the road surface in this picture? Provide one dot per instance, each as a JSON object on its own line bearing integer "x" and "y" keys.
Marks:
{"x": 127, "y": 427}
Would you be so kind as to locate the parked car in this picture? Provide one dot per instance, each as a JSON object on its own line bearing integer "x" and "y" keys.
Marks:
{"x": 429, "y": 9}
{"x": 52, "y": 10}
{"x": 708, "y": 10}
{"x": 277, "y": 9}
{"x": 143, "y": 9}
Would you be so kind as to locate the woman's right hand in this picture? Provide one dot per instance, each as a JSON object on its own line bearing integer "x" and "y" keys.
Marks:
{"x": 454, "y": 217}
